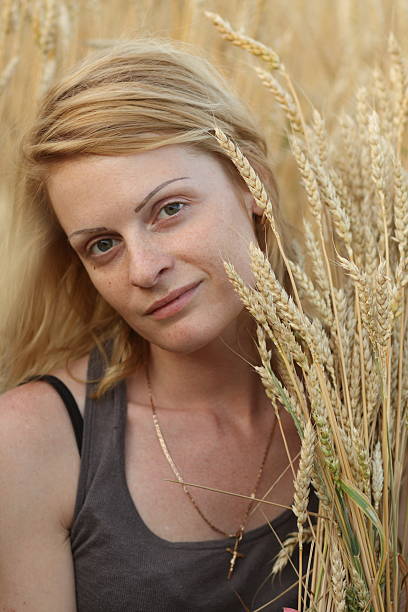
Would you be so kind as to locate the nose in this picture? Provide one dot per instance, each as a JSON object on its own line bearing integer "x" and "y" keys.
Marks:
{"x": 147, "y": 262}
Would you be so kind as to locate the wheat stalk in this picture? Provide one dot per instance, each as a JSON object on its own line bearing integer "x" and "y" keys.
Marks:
{"x": 349, "y": 381}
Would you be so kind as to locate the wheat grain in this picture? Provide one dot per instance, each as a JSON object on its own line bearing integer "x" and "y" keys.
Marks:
{"x": 342, "y": 191}
{"x": 355, "y": 382}
{"x": 275, "y": 391}
{"x": 273, "y": 386}
{"x": 338, "y": 578}
{"x": 248, "y": 174}
{"x": 290, "y": 384}
{"x": 377, "y": 152}
{"x": 379, "y": 180}
{"x": 303, "y": 476}
{"x": 363, "y": 461}
{"x": 365, "y": 292}
{"x": 272, "y": 290}
{"x": 371, "y": 252}
{"x": 351, "y": 318}
{"x": 282, "y": 335}
{"x": 383, "y": 317}
{"x": 283, "y": 98}
{"x": 308, "y": 290}
{"x": 289, "y": 545}
{"x": 382, "y": 98}
{"x": 363, "y": 596}
{"x": 320, "y": 489}
{"x": 351, "y": 158}
{"x": 245, "y": 42}
{"x": 364, "y": 111}
{"x": 331, "y": 199}
{"x": 320, "y": 346}
{"x": 377, "y": 475}
{"x": 311, "y": 332}
{"x": 353, "y": 180}
{"x": 371, "y": 374}
{"x": 320, "y": 137}
{"x": 315, "y": 254}
{"x": 342, "y": 314}
{"x": 265, "y": 314}
{"x": 263, "y": 351}
{"x": 323, "y": 429}
{"x": 247, "y": 295}
{"x": 401, "y": 219}
{"x": 308, "y": 179}
{"x": 351, "y": 455}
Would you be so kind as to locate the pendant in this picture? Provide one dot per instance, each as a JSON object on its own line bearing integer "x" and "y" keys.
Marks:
{"x": 235, "y": 554}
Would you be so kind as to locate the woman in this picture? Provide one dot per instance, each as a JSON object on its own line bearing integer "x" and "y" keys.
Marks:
{"x": 129, "y": 209}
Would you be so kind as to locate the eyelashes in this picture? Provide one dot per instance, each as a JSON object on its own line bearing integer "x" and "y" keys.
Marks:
{"x": 104, "y": 245}
{"x": 169, "y": 205}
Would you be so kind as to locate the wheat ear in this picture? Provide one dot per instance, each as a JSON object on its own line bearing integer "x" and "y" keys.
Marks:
{"x": 257, "y": 189}
{"x": 245, "y": 42}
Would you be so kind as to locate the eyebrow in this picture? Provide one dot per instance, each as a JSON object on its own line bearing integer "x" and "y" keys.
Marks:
{"x": 156, "y": 189}
{"x": 95, "y": 230}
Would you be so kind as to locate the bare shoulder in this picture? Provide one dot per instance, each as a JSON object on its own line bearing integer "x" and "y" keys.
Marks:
{"x": 39, "y": 471}
{"x": 38, "y": 446}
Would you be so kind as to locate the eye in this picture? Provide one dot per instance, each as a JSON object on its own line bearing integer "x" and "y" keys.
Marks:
{"x": 102, "y": 246}
{"x": 171, "y": 209}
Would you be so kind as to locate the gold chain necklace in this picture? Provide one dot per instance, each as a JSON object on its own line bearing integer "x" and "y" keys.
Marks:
{"x": 238, "y": 535}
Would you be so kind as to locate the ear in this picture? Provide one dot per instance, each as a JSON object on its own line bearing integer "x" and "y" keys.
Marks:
{"x": 251, "y": 206}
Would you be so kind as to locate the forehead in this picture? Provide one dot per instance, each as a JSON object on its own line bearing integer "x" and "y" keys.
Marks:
{"x": 95, "y": 182}
{"x": 90, "y": 171}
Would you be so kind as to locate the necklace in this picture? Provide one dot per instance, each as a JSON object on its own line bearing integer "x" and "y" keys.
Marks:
{"x": 238, "y": 535}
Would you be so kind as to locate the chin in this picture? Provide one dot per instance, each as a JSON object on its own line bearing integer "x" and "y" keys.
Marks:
{"x": 185, "y": 346}
{"x": 186, "y": 341}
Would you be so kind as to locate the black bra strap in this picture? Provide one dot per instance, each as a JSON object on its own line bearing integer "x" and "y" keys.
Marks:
{"x": 70, "y": 404}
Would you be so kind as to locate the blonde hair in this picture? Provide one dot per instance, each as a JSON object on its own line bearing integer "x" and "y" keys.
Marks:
{"x": 136, "y": 96}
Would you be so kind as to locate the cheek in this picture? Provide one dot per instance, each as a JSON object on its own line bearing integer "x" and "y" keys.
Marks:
{"x": 231, "y": 244}
{"x": 105, "y": 286}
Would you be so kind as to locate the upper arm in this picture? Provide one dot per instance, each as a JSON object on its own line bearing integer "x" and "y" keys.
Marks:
{"x": 36, "y": 568}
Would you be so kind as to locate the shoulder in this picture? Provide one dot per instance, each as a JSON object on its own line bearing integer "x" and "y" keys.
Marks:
{"x": 37, "y": 410}
{"x": 38, "y": 450}
{"x": 39, "y": 468}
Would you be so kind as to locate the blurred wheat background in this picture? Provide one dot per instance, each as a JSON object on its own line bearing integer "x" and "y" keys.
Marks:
{"x": 329, "y": 48}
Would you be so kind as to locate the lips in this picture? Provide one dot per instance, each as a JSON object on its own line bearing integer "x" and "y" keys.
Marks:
{"x": 170, "y": 297}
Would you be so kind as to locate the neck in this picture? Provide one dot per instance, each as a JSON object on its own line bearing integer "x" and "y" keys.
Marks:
{"x": 220, "y": 374}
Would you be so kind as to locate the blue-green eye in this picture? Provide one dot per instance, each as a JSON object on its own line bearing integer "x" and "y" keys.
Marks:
{"x": 171, "y": 209}
{"x": 103, "y": 246}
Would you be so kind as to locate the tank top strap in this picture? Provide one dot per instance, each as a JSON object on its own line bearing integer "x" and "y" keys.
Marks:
{"x": 69, "y": 402}
{"x": 104, "y": 422}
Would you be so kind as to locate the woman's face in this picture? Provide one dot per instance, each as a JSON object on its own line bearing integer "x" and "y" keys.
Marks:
{"x": 152, "y": 223}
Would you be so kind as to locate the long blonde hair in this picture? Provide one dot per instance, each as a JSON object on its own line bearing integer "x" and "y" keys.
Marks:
{"x": 136, "y": 96}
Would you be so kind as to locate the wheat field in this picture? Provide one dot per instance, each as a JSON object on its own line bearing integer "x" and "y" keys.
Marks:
{"x": 327, "y": 48}
{"x": 328, "y": 85}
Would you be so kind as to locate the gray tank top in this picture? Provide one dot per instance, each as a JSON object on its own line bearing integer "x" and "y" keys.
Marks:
{"x": 122, "y": 566}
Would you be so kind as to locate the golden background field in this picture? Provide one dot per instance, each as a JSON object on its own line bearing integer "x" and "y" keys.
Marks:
{"x": 328, "y": 46}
